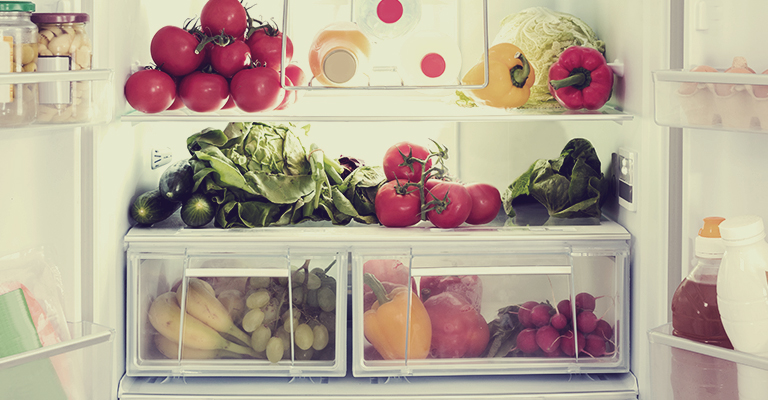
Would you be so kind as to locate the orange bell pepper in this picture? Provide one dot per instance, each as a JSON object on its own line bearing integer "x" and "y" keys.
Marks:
{"x": 510, "y": 77}
{"x": 386, "y": 325}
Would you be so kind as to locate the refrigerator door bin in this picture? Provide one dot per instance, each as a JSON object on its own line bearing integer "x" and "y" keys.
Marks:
{"x": 238, "y": 297}
{"x": 518, "y": 290}
{"x": 81, "y": 366}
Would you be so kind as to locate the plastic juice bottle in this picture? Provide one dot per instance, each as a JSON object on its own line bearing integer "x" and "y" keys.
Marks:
{"x": 430, "y": 58}
{"x": 387, "y": 19}
{"x": 742, "y": 296}
{"x": 339, "y": 55}
{"x": 695, "y": 316}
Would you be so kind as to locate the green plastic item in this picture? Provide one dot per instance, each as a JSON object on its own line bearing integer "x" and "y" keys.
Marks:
{"x": 32, "y": 380}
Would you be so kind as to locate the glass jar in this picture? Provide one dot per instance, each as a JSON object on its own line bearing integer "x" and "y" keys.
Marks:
{"x": 18, "y": 44}
{"x": 63, "y": 45}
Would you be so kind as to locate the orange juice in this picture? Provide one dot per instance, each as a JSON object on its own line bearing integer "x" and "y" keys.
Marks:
{"x": 339, "y": 55}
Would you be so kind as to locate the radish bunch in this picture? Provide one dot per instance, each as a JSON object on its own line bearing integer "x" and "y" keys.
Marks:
{"x": 543, "y": 330}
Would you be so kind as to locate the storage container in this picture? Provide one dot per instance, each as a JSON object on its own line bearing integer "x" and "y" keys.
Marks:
{"x": 502, "y": 273}
{"x": 218, "y": 274}
{"x": 83, "y": 366}
{"x": 18, "y": 53}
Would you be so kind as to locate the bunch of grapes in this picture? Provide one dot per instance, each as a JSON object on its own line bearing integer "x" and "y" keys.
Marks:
{"x": 549, "y": 331}
{"x": 307, "y": 311}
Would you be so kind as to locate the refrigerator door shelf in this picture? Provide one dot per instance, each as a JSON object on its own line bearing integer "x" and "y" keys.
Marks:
{"x": 540, "y": 387}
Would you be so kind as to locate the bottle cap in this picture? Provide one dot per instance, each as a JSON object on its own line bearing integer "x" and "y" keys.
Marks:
{"x": 339, "y": 66}
{"x": 742, "y": 230}
{"x": 708, "y": 243}
{"x": 389, "y": 11}
{"x": 17, "y": 6}
{"x": 433, "y": 65}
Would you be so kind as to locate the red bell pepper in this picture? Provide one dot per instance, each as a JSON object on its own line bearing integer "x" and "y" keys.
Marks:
{"x": 581, "y": 79}
{"x": 458, "y": 330}
{"x": 468, "y": 285}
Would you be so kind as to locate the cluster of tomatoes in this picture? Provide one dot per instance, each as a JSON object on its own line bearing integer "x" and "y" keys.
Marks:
{"x": 412, "y": 193}
{"x": 229, "y": 60}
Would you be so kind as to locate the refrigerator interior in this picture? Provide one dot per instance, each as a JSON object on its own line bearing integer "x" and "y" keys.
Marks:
{"x": 75, "y": 186}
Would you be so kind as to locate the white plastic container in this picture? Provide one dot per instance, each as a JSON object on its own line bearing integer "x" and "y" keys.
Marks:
{"x": 387, "y": 19}
{"x": 430, "y": 59}
{"x": 742, "y": 297}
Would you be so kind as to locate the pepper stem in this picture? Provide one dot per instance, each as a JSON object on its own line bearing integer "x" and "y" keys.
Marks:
{"x": 579, "y": 78}
{"x": 378, "y": 288}
{"x": 519, "y": 73}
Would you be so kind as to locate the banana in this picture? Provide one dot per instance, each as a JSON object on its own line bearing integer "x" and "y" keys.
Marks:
{"x": 234, "y": 301}
{"x": 170, "y": 349}
{"x": 165, "y": 317}
{"x": 204, "y": 306}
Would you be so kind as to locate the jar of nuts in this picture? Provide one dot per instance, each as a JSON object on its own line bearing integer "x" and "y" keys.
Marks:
{"x": 18, "y": 47}
{"x": 63, "y": 45}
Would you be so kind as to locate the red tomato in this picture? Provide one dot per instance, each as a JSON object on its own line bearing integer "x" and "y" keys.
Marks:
{"x": 229, "y": 104}
{"x": 230, "y": 59}
{"x": 397, "y": 210}
{"x": 267, "y": 47}
{"x": 456, "y": 211}
{"x": 257, "y": 89}
{"x": 173, "y": 51}
{"x": 298, "y": 77}
{"x": 203, "y": 92}
{"x": 486, "y": 203}
{"x": 224, "y": 16}
{"x": 393, "y": 160}
{"x": 150, "y": 91}
{"x": 290, "y": 96}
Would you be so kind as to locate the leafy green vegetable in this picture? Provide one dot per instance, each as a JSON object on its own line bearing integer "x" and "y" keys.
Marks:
{"x": 570, "y": 186}
{"x": 542, "y": 35}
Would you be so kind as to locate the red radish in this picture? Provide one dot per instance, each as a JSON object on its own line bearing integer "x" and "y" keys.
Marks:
{"x": 585, "y": 301}
{"x": 603, "y": 329}
{"x": 564, "y": 307}
{"x": 524, "y": 313}
{"x": 595, "y": 345}
{"x": 554, "y": 353}
{"x": 540, "y": 315}
{"x": 569, "y": 346}
{"x": 526, "y": 341}
{"x": 586, "y": 321}
{"x": 548, "y": 338}
{"x": 559, "y": 321}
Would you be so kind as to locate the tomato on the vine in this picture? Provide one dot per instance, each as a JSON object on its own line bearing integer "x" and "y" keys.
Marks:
{"x": 173, "y": 51}
{"x": 267, "y": 47}
{"x": 231, "y": 58}
{"x": 457, "y": 209}
{"x": 486, "y": 203}
{"x": 226, "y": 17}
{"x": 397, "y": 206}
{"x": 289, "y": 98}
{"x": 204, "y": 92}
{"x": 399, "y": 154}
{"x": 229, "y": 104}
{"x": 150, "y": 91}
{"x": 297, "y": 77}
{"x": 257, "y": 89}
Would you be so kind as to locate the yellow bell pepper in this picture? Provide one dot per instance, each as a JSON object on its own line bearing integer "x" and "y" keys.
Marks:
{"x": 510, "y": 77}
{"x": 386, "y": 322}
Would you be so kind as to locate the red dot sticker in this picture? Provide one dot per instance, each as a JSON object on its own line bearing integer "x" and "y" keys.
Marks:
{"x": 389, "y": 11}
{"x": 433, "y": 65}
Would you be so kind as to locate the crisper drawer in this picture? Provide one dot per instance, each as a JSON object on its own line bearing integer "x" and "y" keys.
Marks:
{"x": 76, "y": 369}
{"x": 236, "y": 310}
{"x": 685, "y": 369}
{"x": 484, "y": 308}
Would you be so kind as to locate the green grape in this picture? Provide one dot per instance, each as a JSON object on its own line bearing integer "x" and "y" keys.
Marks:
{"x": 297, "y": 279}
{"x": 313, "y": 282}
{"x": 303, "y": 355}
{"x": 311, "y": 299}
{"x": 297, "y": 295}
{"x": 303, "y": 337}
{"x": 252, "y": 319}
{"x": 328, "y": 319}
{"x": 319, "y": 272}
{"x": 286, "y": 338}
{"x": 329, "y": 281}
{"x": 270, "y": 311}
{"x": 287, "y": 315}
{"x": 259, "y": 282}
{"x": 320, "y": 333}
{"x": 258, "y": 299}
{"x": 260, "y": 338}
{"x": 326, "y": 298}
{"x": 275, "y": 349}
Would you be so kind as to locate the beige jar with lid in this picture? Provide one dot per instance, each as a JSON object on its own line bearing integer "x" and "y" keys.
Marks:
{"x": 63, "y": 45}
{"x": 18, "y": 53}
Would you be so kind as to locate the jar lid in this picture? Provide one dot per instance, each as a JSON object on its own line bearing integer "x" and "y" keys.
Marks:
{"x": 17, "y": 6}
{"x": 748, "y": 227}
{"x": 59, "y": 18}
{"x": 340, "y": 66}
